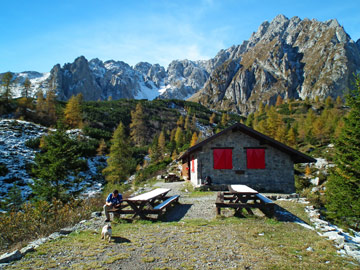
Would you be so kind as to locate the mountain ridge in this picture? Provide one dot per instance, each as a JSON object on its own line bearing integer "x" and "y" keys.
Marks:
{"x": 292, "y": 58}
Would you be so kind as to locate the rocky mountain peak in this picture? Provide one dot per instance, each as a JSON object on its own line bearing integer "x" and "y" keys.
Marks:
{"x": 292, "y": 58}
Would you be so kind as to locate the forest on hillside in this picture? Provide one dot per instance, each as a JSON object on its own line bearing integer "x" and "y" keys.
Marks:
{"x": 141, "y": 137}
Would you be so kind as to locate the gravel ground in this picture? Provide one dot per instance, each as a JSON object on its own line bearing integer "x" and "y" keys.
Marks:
{"x": 193, "y": 242}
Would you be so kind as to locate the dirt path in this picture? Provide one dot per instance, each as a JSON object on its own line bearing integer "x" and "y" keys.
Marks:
{"x": 202, "y": 207}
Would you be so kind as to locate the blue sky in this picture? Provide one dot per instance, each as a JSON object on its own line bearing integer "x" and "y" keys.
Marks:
{"x": 37, "y": 34}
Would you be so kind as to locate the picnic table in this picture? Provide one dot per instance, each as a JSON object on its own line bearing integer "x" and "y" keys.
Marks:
{"x": 152, "y": 202}
{"x": 243, "y": 197}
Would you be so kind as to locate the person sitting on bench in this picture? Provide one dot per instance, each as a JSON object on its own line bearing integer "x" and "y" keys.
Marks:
{"x": 113, "y": 200}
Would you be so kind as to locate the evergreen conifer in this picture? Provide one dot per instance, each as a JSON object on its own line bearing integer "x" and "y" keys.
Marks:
{"x": 343, "y": 186}
{"x": 56, "y": 167}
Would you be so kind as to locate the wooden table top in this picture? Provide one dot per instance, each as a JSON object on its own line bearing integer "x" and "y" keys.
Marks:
{"x": 242, "y": 189}
{"x": 150, "y": 195}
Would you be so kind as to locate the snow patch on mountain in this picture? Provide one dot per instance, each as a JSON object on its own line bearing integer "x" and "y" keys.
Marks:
{"x": 16, "y": 157}
{"x": 38, "y": 82}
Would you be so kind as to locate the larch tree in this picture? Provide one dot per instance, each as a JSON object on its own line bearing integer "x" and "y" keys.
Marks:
{"x": 343, "y": 186}
{"x": 338, "y": 102}
{"x": 138, "y": 130}
{"x": 250, "y": 120}
{"x": 179, "y": 137}
{"x": 329, "y": 103}
{"x": 224, "y": 119}
{"x": 279, "y": 101}
{"x": 180, "y": 121}
{"x": 102, "y": 148}
{"x": 50, "y": 105}
{"x": 120, "y": 162}
{"x": 40, "y": 105}
{"x": 194, "y": 139}
{"x": 193, "y": 122}
{"x": 212, "y": 118}
{"x": 72, "y": 112}
{"x": 187, "y": 122}
{"x": 162, "y": 142}
{"x": 291, "y": 137}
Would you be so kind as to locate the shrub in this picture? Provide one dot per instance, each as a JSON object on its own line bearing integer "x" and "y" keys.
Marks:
{"x": 43, "y": 218}
{"x": 33, "y": 143}
{"x": 3, "y": 169}
{"x": 150, "y": 171}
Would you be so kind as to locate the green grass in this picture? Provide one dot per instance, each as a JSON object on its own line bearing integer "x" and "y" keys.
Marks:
{"x": 256, "y": 242}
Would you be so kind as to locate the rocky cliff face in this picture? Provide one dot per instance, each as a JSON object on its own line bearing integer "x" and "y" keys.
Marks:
{"x": 289, "y": 57}
{"x": 101, "y": 80}
{"x": 293, "y": 58}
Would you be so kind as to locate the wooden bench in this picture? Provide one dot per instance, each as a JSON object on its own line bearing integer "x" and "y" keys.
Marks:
{"x": 267, "y": 205}
{"x": 167, "y": 202}
{"x": 241, "y": 196}
{"x": 146, "y": 207}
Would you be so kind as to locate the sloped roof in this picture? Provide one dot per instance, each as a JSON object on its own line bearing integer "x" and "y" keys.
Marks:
{"x": 296, "y": 156}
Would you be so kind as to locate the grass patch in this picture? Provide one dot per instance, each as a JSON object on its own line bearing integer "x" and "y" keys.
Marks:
{"x": 238, "y": 243}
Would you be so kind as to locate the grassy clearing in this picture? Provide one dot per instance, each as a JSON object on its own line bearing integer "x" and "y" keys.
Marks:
{"x": 228, "y": 243}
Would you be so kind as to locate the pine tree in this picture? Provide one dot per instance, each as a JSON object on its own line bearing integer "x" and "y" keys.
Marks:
{"x": 56, "y": 167}
{"x": 138, "y": 130}
{"x": 26, "y": 88}
{"x": 25, "y": 101}
{"x": 120, "y": 161}
{"x": 154, "y": 150}
{"x": 343, "y": 186}
{"x": 72, "y": 112}
{"x": 194, "y": 139}
{"x": 6, "y": 84}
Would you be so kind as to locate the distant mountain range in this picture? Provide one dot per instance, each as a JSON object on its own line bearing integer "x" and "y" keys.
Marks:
{"x": 293, "y": 58}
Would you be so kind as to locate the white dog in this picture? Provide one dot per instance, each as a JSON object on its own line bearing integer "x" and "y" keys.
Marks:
{"x": 106, "y": 231}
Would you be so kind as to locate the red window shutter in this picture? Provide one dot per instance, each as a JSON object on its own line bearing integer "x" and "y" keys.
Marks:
{"x": 192, "y": 164}
{"x": 255, "y": 158}
{"x": 222, "y": 158}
